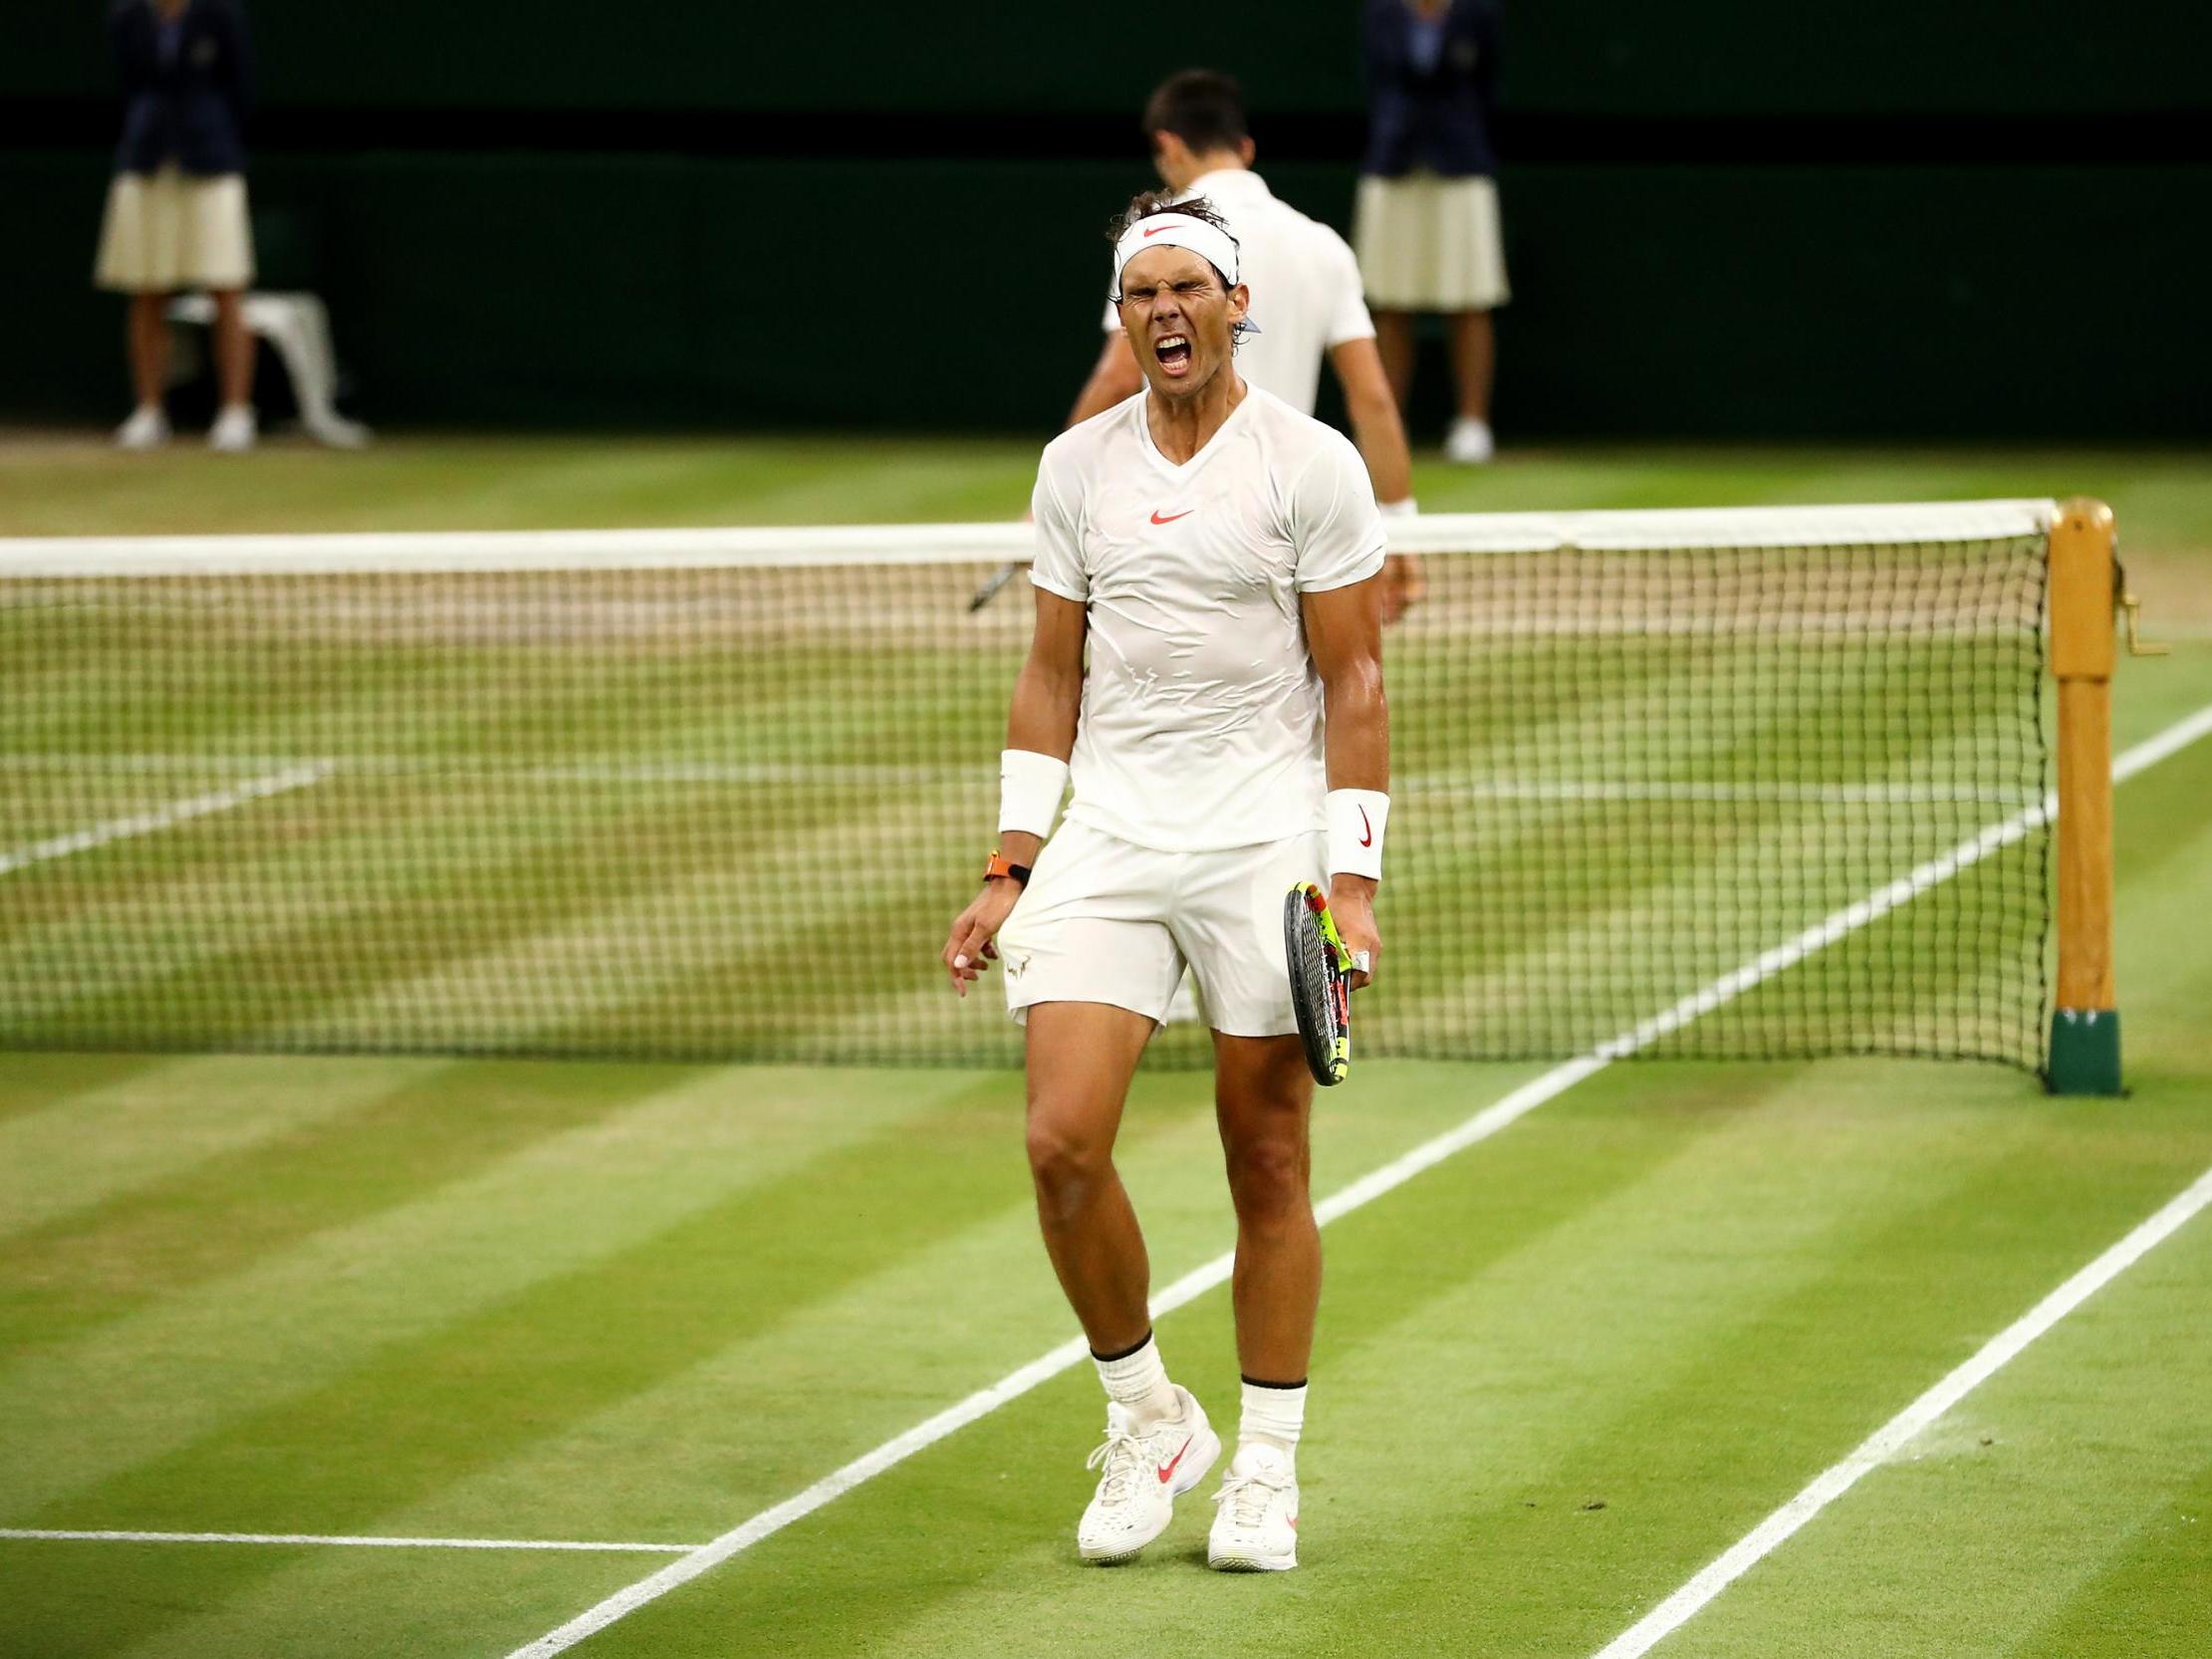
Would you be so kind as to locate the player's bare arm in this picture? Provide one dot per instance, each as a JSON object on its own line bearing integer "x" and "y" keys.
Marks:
{"x": 1344, "y": 630}
{"x": 1048, "y": 697}
{"x": 1376, "y": 429}
{"x": 1379, "y": 433}
{"x": 1113, "y": 379}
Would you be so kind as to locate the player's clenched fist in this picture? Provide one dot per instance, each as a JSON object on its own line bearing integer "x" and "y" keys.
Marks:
{"x": 1351, "y": 902}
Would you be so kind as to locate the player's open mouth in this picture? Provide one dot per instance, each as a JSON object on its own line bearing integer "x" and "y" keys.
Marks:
{"x": 1173, "y": 352}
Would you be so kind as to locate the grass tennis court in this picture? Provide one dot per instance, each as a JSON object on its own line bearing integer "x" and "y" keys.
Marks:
{"x": 1558, "y": 1373}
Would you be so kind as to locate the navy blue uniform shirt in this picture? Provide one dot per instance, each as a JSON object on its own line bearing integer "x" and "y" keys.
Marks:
{"x": 1429, "y": 100}
{"x": 187, "y": 104}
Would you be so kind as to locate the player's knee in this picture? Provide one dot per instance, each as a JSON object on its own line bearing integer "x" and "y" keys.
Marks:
{"x": 1268, "y": 1178}
{"x": 1065, "y": 1166}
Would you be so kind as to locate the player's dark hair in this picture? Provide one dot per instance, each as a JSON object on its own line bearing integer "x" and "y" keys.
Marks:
{"x": 1201, "y": 107}
{"x": 1151, "y": 204}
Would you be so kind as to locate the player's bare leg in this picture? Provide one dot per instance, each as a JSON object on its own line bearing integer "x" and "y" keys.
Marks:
{"x": 1158, "y": 1443}
{"x": 1082, "y": 1057}
{"x": 1263, "y": 1097}
{"x": 1263, "y": 1100}
{"x": 1394, "y": 339}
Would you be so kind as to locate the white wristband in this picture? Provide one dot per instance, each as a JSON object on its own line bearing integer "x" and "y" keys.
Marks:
{"x": 1356, "y": 820}
{"x": 1030, "y": 787}
{"x": 1403, "y": 509}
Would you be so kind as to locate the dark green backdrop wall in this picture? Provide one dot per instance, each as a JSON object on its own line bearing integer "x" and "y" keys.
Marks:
{"x": 1722, "y": 218}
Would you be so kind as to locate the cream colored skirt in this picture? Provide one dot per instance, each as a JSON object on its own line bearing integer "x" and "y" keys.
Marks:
{"x": 170, "y": 230}
{"x": 1430, "y": 244}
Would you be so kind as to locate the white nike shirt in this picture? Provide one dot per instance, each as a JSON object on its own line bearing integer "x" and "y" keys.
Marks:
{"x": 1201, "y": 723}
{"x": 1305, "y": 282}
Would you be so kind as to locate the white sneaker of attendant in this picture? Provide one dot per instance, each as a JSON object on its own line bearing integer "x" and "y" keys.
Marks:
{"x": 1254, "y": 1523}
{"x": 147, "y": 428}
{"x": 1469, "y": 442}
{"x": 1142, "y": 1474}
{"x": 234, "y": 430}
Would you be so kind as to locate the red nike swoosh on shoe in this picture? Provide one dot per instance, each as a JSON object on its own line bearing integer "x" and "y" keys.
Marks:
{"x": 1366, "y": 840}
{"x": 1172, "y": 517}
{"x": 1166, "y": 1470}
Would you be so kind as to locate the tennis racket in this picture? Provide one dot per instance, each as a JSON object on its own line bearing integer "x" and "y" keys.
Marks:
{"x": 1321, "y": 981}
{"x": 993, "y": 582}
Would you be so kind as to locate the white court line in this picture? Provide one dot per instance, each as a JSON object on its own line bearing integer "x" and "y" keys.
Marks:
{"x": 109, "y": 1537}
{"x": 1365, "y": 1190}
{"x": 1892, "y": 1437}
{"x": 164, "y": 816}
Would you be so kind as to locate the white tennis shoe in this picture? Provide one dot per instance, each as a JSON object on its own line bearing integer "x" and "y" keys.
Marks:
{"x": 235, "y": 429}
{"x": 1140, "y": 1475}
{"x": 1254, "y": 1523}
{"x": 147, "y": 428}
{"x": 1469, "y": 442}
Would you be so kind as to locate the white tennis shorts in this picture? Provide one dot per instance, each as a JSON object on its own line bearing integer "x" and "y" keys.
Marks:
{"x": 1106, "y": 921}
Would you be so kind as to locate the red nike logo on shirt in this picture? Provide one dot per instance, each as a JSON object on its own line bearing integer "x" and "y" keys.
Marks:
{"x": 1166, "y": 1470}
{"x": 1172, "y": 517}
{"x": 1366, "y": 839}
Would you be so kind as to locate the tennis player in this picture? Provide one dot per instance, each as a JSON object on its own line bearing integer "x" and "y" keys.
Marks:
{"x": 1202, "y": 143}
{"x": 1216, "y": 553}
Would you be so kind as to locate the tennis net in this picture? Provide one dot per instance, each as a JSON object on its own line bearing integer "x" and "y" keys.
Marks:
{"x": 717, "y": 793}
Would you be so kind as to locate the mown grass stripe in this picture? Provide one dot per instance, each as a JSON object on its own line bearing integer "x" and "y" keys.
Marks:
{"x": 562, "y": 1348}
{"x": 37, "y": 1535}
{"x": 91, "y": 1266}
{"x": 1365, "y": 1190}
{"x": 115, "y": 1131}
{"x": 1892, "y": 1438}
{"x": 1549, "y": 1323}
{"x": 164, "y": 816}
{"x": 173, "y": 1372}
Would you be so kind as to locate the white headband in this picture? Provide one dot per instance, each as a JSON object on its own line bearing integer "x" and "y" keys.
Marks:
{"x": 1176, "y": 230}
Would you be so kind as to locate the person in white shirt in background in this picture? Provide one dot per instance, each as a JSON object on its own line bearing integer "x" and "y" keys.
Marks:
{"x": 1306, "y": 297}
{"x": 1207, "y": 672}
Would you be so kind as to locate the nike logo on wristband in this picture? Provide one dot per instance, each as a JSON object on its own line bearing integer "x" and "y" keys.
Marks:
{"x": 1366, "y": 839}
{"x": 1172, "y": 517}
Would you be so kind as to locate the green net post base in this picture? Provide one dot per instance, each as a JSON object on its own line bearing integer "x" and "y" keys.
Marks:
{"x": 2084, "y": 1052}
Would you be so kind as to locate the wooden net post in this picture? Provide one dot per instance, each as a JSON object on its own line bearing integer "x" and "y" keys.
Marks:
{"x": 2085, "y": 1024}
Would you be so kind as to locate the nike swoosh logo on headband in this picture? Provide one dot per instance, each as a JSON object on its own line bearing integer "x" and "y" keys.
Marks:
{"x": 1157, "y": 231}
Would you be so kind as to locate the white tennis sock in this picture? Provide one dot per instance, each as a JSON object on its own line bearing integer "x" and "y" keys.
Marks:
{"x": 1272, "y": 1416}
{"x": 1137, "y": 1380}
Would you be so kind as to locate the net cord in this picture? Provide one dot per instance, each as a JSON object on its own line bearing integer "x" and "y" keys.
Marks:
{"x": 797, "y": 547}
